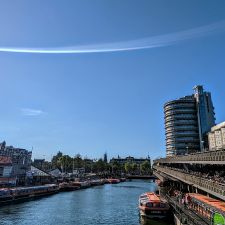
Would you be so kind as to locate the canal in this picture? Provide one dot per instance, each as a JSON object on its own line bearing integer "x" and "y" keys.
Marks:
{"x": 110, "y": 204}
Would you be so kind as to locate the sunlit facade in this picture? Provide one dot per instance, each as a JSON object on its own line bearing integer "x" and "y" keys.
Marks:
{"x": 187, "y": 121}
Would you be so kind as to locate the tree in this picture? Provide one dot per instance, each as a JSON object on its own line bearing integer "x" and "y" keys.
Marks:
{"x": 78, "y": 161}
{"x": 128, "y": 167}
{"x": 65, "y": 163}
{"x": 116, "y": 167}
{"x": 99, "y": 166}
{"x": 146, "y": 167}
{"x": 134, "y": 167}
{"x": 55, "y": 160}
{"x": 88, "y": 165}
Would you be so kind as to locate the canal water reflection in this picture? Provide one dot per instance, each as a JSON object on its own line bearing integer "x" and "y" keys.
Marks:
{"x": 115, "y": 204}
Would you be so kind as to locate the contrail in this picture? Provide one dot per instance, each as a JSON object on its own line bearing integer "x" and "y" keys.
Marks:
{"x": 144, "y": 43}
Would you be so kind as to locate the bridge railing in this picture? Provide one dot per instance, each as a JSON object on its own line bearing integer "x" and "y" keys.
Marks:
{"x": 209, "y": 156}
{"x": 210, "y": 186}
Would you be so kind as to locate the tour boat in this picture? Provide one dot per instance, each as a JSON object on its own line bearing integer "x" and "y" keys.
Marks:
{"x": 151, "y": 206}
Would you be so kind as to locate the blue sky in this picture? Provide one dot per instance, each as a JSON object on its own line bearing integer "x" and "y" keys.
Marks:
{"x": 113, "y": 101}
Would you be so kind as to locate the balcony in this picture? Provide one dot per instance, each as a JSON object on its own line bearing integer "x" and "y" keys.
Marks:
{"x": 182, "y": 129}
{"x": 179, "y": 105}
{"x": 181, "y": 111}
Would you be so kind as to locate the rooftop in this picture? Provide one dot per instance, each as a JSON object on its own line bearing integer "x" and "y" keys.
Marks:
{"x": 4, "y": 160}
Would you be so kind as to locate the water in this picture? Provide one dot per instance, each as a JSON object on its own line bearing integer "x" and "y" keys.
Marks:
{"x": 108, "y": 204}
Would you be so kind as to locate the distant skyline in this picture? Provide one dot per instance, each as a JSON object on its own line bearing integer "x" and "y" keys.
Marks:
{"x": 110, "y": 102}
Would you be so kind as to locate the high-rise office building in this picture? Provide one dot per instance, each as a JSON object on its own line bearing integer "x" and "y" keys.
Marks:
{"x": 187, "y": 120}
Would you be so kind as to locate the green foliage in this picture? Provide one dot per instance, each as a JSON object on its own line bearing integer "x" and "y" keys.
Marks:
{"x": 116, "y": 167}
{"x": 135, "y": 168}
{"x": 99, "y": 166}
{"x": 55, "y": 160}
{"x": 65, "y": 163}
{"x": 128, "y": 167}
{"x": 78, "y": 161}
{"x": 146, "y": 167}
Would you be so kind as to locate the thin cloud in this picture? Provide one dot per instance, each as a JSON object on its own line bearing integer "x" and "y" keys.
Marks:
{"x": 145, "y": 43}
{"x": 31, "y": 112}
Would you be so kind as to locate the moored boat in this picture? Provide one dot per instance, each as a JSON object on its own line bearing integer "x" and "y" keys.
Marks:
{"x": 82, "y": 184}
{"x": 122, "y": 179}
{"x": 97, "y": 182}
{"x": 114, "y": 181}
{"x": 68, "y": 186}
{"x": 152, "y": 206}
{"x": 14, "y": 195}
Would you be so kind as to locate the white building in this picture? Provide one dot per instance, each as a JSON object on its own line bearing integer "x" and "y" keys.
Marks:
{"x": 216, "y": 137}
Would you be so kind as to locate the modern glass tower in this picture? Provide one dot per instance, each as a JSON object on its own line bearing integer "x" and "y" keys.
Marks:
{"x": 187, "y": 120}
{"x": 205, "y": 112}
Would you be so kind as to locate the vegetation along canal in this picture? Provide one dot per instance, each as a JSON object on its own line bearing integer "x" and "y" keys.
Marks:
{"x": 115, "y": 204}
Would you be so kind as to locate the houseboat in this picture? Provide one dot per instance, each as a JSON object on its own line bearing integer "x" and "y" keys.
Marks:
{"x": 14, "y": 195}
{"x": 65, "y": 186}
{"x": 82, "y": 184}
{"x": 152, "y": 206}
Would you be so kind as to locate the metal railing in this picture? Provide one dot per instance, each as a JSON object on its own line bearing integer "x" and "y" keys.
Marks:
{"x": 210, "y": 186}
{"x": 209, "y": 156}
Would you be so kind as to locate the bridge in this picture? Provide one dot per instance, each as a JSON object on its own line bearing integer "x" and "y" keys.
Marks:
{"x": 142, "y": 177}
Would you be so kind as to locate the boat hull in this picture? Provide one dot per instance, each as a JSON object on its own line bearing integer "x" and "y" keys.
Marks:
{"x": 24, "y": 198}
{"x": 153, "y": 214}
{"x": 114, "y": 181}
{"x": 152, "y": 206}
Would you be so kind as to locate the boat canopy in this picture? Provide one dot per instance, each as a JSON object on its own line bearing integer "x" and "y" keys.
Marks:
{"x": 213, "y": 204}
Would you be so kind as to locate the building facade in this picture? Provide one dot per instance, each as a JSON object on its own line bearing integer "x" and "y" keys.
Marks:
{"x": 5, "y": 166}
{"x": 187, "y": 121}
{"x": 205, "y": 113}
{"x": 6, "y": 178}
{"x": 130, "y": 159}
{"x": 216, "y": 137}
{"x": 21, "y": 159}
